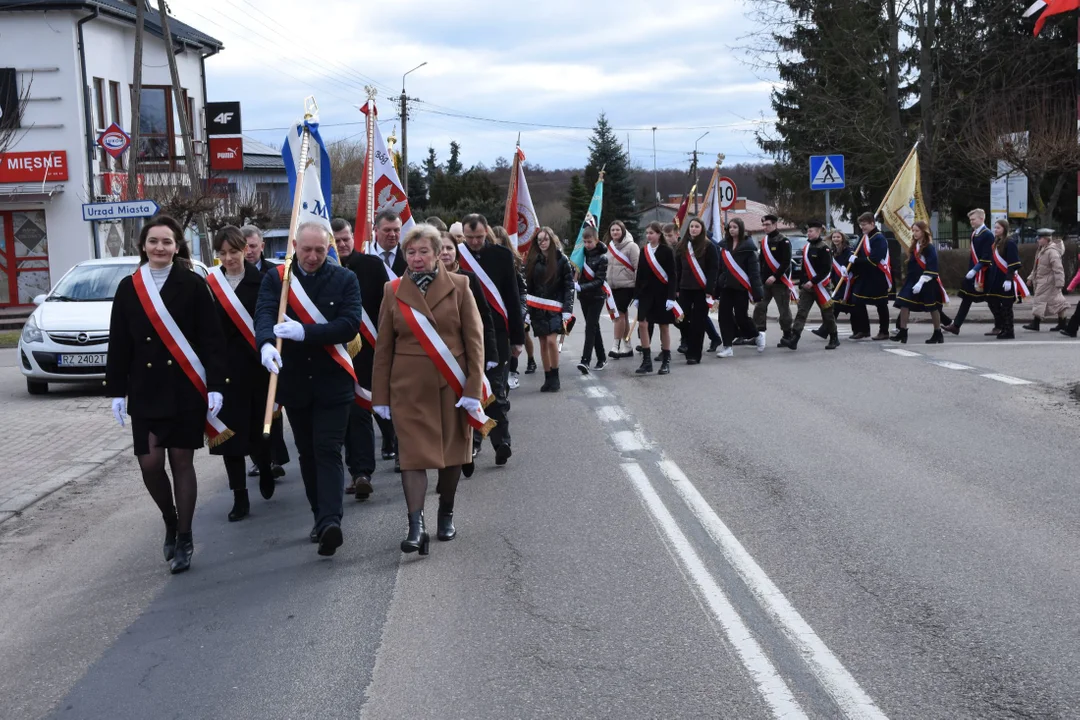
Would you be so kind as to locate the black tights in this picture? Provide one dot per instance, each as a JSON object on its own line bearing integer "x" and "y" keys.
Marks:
{"x": 414, "y": 483}
{"x": 182, "y": 464}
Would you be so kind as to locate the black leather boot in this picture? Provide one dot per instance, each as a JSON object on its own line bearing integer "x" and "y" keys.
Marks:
{"x": 820, "y": 332}
{"x": 899, "y": 336}
{"x": 936, "y": 339}
{"x": 185, "y": 547}
{"x": 446, "y": 531}
{"x": 169, "y": 548}
{"x": 1033, "y": 325}
{"x": 791, "y": 342}
{"x": 665, "y": 362}
{"x": 834, "y": 342}
{"x": 554, "y": 385}
{"x": 546, "y": 387}
{"x": 241, "y": 505}
{"x": 417, "y": 539}
{"x": 530, "y": 367}
{"x": 646, "y": 363}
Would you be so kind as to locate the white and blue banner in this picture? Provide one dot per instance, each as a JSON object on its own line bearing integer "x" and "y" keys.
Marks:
{"x": 315, "y": 198}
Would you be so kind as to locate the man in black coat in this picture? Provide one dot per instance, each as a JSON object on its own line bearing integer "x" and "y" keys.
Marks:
{"x": 774, "y": 278}
{"x": 387, "y": 237}
{"x": 496, "y": 263}
{"x": 315, "y": 390}
{"x": 279, "y": 451}
{"x": 816, "y": 269}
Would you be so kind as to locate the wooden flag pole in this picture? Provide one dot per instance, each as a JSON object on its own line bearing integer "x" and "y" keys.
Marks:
{"x": 310, "y": 111}
{"x": 369, "y": 171}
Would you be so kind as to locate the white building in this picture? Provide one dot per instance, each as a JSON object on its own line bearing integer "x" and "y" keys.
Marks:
{"x": 74, "y": 63}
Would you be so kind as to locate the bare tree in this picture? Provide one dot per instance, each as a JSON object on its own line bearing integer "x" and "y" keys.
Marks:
{"x": 12, "y": 131}
{"x": 346, "y": 163}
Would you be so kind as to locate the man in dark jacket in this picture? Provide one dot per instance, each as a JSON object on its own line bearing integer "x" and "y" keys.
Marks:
{"x": 493, "y": 266}
{"x": 314, "y": 388}
{"x": 775, "y": 269}
{"x": 816, "y": 269}
{"x": 591, "y": 294}
{"x": 870, "y": 283}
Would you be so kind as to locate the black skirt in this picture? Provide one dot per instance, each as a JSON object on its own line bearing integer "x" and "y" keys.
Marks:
{"x": 652, "y": 309}
{"x": 546, "y": 323}
{"x": 928, "y": 299}
{"x": 182, "y": 432}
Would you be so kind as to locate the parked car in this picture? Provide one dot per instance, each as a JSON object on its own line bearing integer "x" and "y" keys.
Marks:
{"x": 798, "y": 242}
{"x": 66, "y": 339}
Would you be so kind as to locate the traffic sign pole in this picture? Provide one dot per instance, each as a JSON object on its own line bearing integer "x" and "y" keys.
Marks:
{"x": 828, "y": 212}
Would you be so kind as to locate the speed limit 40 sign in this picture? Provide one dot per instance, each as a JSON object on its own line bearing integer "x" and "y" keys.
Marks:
{"x": 725, "y": 186}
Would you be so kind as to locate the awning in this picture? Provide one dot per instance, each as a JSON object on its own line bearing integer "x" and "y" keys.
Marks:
{"x": 28, "y": 193}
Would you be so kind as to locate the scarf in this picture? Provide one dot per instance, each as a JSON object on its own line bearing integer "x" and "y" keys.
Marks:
{"x": 423, "y": 279}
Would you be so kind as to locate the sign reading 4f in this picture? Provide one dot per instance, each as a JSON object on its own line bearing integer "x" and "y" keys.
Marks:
{"x": 826, "y": 172}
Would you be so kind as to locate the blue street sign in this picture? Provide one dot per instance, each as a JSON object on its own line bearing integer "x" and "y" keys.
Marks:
{"x": 826, "y": 172}
{"x": 119, "y": 210}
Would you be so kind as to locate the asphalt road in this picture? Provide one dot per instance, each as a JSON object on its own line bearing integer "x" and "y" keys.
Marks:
{"x": 859, "y": 533}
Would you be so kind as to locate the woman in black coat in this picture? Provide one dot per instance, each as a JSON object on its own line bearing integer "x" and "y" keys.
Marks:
{"x": 698, "y": 266}
{"x": 654, "y": 296}
{"x": 235, "y": 284}
{"x": 448, "y": 256}
{"x": 739, "y": 283}
{"x": 169, "y": 404}
{"x": 591, "y": 288}
{"x": 550, "y": 300}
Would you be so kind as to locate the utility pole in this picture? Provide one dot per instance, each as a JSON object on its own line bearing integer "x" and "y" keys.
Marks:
{"x": 130, "y": 243}
{"x": 185, "y": 132}
{"x": 404, "y": 132}
{"x": 655, "y": 182}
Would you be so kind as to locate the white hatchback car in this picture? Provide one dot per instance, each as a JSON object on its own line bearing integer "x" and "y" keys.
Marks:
{"x": 66, "y": 339}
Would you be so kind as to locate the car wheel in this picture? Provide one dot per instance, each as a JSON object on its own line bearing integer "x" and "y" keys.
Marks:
{"x": 36, "y": 388}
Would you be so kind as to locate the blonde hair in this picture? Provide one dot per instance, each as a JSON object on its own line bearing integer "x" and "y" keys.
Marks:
{"x": 423, "y": 231}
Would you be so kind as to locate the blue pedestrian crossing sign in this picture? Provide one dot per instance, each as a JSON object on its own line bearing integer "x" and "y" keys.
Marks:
{"x": 826, "y": 172}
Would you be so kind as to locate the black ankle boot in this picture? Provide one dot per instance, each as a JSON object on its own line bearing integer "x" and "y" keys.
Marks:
{"x": 834, "y": 342}
{"x": 554, "y": 385}
{"x": 665, "y": 362}
{"x": 646, "y": 363}
{"x": 1063, "y": 324}
{"x": 417, "y": 539}
{"x": 530, "y": 367}
{"x": 546, "y": 387}
{"x": 446, "y": 531}
{"x": 169, "y": 548}
{"x": 241, "y": 505}
{"x": 820, "y": 332}
{"x": 185, "y": 547}
{"x": 899, "y": 336}
{"x": 792, "y": 341}
{"x": 1033, "y": 325}
{"x": 936, "y": 339}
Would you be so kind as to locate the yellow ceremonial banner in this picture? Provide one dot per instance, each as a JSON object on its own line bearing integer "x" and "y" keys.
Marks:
{"x": 903, "y": 204}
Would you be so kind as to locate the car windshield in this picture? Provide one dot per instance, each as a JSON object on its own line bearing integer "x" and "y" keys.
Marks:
{"x": 90, "y": 283}
{"x": 797, "y": 243}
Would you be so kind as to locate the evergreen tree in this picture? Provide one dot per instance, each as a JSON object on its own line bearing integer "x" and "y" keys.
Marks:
{"x": 431, "y": 165}
{"x": 453, "y": 165}
{"x": 577, "y": 202}
{"x": 619, "y": 184}
{"x": 418, "y": 189}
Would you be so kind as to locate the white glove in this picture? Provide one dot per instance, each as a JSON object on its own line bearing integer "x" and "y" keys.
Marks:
{"x": 917, "y": 288}
{"x": 213, "y": 402}
{"x": 527, "y": 320}
{"x": 1007, "y": 286}
{"x": 566, "y": 317}
{"x": 382, "y": 411}
{"x": 669, "y": 305}
{"x": 577, "y": 286}
{"x": 971, "y": 274}
{"x": 470, "y": 404}
{"x": 289, "y": 330}
{"x": 119, "y": 409}
{"x": 271, "y": 358}
{"x": 491, "y": 365}
{"x": 843, "y": 271}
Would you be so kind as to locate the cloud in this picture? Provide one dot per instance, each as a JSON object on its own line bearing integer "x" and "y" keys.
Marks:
{"x": 556, "y": 62}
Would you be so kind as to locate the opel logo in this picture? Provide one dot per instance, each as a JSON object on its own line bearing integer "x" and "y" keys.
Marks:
{"x": 82, "y": 338}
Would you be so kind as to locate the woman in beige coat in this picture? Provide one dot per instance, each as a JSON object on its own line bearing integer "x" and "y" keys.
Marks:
{"x": 1046, "y": 280}
{"x": 407, "y": 386}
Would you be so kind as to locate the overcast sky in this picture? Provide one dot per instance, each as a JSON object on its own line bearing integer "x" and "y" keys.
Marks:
{"x": 552, "y": 62}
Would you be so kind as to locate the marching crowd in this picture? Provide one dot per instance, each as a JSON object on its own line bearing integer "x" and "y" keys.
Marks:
{"x": 422, "y": 336}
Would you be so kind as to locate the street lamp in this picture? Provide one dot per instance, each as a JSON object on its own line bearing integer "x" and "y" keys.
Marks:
{"x": 405, "y": 134}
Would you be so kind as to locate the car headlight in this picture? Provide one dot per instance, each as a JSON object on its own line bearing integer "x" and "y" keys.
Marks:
{"x": 31, "y": 332}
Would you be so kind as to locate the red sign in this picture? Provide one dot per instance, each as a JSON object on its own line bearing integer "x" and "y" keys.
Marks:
{"x": 114, "y": 140}
{"x": 116, "y": 184}
{"x": 36, "y": 166}
{"x": 728, "y": 193}
{"x": 226, "y": 153}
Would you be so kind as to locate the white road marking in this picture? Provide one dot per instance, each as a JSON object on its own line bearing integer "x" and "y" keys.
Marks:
{"x": 1007, "y": 379}
{"x": 827, "y": 668}
{"x": 901, "y": 353}
{"x": 597, "y": 391}
{"x": 1060, "y": 342}
{"x": 610, "y": 413}
{"x": 627, "y": 441}
{"x": 951, "y": 365}
{"x": 769, "y": 683}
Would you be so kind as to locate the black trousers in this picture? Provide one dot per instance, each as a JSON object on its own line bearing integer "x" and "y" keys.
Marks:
{"x": 1003, "y": 312}
{"x": 710, "y": 330}
{"x": 319, "y": 431}
{"x": 591, "y": 307}
{"x": 279, "y": 450}
{"x": 1074, "y": 321}
{"x": 734, "y": 316}
{"x": 389, "y": 435}
{"x": 696, "y": 312}
{"x": 499, "y": 409}
{"x": 359, "y": 442}
{"x": 961, "y": 314}
{"x": 860, "y": 318}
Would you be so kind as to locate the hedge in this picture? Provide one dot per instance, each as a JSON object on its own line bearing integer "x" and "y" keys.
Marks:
{"x": 953, "y": 264}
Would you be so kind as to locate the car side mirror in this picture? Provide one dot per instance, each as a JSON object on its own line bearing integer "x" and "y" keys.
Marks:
{"x": 38, "y": 299}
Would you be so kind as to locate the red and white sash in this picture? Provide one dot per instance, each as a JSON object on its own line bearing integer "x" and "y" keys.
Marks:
{"x": 540, "y": 303}
{"x": 621, "y": 257}
{"x": 654, "y": 264}
{"x": 178, "y": 346}
{"x": 367, "y": 328}
{"x": 445, "y": 362}
{"x": 842, "y": 291}
{"x": 980, "y": 274}
{"x": 491, "y": 292}
{"x": 1020, "y": 288}
{"x": 609, "y": 299}
{"x": 774, "y": 266}
{"x": 699, "y": 275}
{"x": 235, "y": 309}
{"x": 922, "y": 265}
{"x": 820, "y": 290}
{"x": 884, "y": 265}
{"x": 677, "y": 311}
{"x": 738, "y": 272}
{"x": 308, "y": 313}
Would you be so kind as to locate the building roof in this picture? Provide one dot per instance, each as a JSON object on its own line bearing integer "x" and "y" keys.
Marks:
{"x": 260, "y": 156}
{"x": 120, "y": 9}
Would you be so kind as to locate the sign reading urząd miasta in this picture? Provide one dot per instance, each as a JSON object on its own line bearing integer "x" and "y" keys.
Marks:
{"x": 119, "y": 210}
